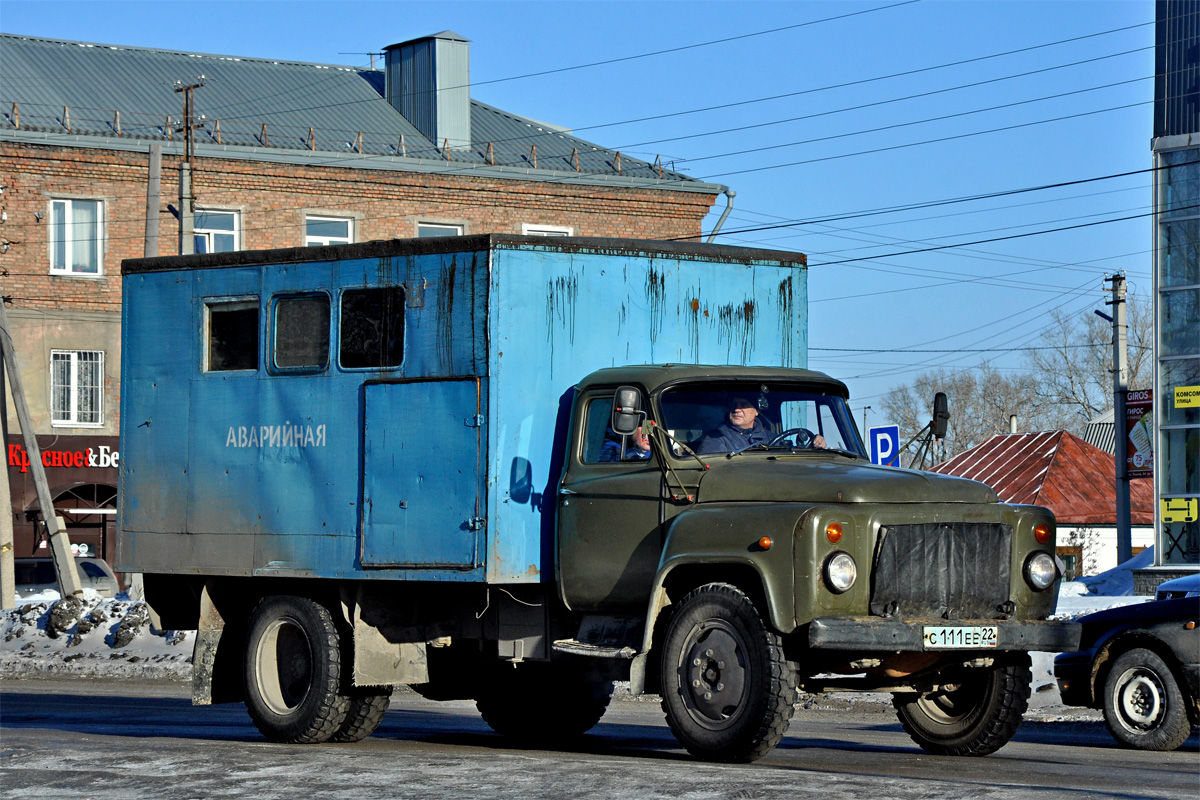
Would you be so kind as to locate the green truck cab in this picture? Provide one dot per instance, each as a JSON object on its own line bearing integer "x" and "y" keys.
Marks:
{"x": 721, "y": 529}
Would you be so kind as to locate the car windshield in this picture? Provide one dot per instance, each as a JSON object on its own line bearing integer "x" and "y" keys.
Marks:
{"x": 724, "y": 418}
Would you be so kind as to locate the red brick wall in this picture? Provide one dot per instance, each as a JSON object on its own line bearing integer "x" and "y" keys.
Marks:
{"x": 273, "y": 197}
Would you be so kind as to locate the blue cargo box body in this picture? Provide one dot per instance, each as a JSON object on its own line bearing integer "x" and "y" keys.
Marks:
{"x": 443, "y": 467}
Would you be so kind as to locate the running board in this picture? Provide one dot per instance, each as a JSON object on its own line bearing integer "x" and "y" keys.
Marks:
{"x": 578, "y": 648}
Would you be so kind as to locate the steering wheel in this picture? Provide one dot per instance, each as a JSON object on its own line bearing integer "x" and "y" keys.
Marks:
{"x": 804, "y": 437}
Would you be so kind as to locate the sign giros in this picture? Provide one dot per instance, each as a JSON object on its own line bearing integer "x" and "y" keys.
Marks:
{"x": 1139, "y": 429}
{"x": 99, "y": 456}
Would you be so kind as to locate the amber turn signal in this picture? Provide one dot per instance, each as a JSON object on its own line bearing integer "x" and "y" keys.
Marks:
{"x": 1041, "y": 532}
{"x": 833, "y": 532}
{"x": 765, "y": 543}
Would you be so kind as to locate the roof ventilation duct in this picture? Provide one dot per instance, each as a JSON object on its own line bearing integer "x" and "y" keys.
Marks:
{"x": 428, "y": 81}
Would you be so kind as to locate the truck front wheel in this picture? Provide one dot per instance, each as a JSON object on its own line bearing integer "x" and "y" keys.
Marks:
{"x": 728, "y": 691}
{"x": 293, "y": 671}
{"x": 973, "y": 717}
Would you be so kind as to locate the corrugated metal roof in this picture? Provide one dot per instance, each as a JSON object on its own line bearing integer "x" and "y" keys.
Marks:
{"x": 343, "y": 106}
{"x": 1058, "y": 470}
{"x": 1100, "y": 432}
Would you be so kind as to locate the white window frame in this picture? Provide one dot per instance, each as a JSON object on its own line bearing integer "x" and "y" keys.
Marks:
{"x": 533, "y": 229}
{"x": 208, "y": 232}
{"x": 313, "y": 241}
{"x": 458, "y": 228}
{"x": 67, "y": 268}
{"x": 72, "y": 420}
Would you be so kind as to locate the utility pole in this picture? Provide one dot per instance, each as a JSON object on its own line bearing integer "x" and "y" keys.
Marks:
{"x": 8, "y": 584}
{"x": 187, "y": 202}
{"x": 60, "y": 545}
{"x": 1120, "y": 370}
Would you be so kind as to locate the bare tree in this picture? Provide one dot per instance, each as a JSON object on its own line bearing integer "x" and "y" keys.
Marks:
{"x": 1074, "y": 364}
{"x": 1068, "y": 382}
{"x": 981, "y": 401}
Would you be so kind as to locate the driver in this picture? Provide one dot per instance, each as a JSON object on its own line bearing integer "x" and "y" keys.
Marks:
{"x": 742, "y": 428}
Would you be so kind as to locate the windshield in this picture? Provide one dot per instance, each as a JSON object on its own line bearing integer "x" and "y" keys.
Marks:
{"x": 724, "y": 418}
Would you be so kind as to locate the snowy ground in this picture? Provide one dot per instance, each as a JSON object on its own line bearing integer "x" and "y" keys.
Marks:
{"x": 113, "y": 638}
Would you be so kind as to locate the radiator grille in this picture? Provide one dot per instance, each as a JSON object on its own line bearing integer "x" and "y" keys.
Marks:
{"x": 957, "y": 570}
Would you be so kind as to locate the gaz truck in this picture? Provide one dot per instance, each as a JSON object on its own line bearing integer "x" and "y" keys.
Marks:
{"x": 508, "y": 469}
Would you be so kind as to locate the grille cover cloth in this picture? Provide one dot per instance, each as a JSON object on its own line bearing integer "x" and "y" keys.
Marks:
{"x": 956, "y": 570}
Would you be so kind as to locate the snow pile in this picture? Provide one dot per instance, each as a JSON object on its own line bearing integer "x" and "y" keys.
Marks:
{"x": 89, "y": 636}
{"x": 1106, "y": 590}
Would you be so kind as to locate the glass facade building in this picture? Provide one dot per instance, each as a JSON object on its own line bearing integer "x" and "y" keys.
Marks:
{"x": 1176, "y": 149}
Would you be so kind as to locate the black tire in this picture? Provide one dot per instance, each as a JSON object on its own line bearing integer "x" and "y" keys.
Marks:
{"x": 543, "y": 703}
{"x": 1143, "y": 706}
{"x": 293, "y": 671}
{"x": 974, "y": 717}
{"x": 365, "y": 712}
{"x": 728, "y": 691}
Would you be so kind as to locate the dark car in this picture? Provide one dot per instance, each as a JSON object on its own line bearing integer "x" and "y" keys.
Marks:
{"x": 1140, "y": 664}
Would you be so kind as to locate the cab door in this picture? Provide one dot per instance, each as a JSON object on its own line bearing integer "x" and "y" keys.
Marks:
{"x": 609, "y": 518}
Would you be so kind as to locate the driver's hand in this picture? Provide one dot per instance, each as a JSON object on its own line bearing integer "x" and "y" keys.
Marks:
{"x": 819, "y": 441}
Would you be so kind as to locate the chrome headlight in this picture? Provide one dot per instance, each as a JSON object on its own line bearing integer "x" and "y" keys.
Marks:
{"x": 840, "y": 572}
{"x": 1040, "y": 570}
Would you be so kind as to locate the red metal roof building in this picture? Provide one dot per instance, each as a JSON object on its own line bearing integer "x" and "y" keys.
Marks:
{"x": 1057, "y": 470}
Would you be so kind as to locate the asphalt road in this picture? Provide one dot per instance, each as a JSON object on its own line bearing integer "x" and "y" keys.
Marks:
{"x": 75, "y": 739}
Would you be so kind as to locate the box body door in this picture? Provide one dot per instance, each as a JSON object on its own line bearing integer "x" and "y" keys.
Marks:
{"x": 422, "y": 505}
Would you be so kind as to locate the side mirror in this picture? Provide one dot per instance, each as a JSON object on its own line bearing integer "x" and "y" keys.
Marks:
{"x": 627, "y": 412}
{"x": 520, "y": 480}
{"x": 941, "y": 415}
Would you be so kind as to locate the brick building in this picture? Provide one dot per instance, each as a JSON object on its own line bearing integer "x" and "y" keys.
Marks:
{"x": 283, "y": 154}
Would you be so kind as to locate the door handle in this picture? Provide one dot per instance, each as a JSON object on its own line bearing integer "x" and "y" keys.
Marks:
{"x": 565, "y": 492}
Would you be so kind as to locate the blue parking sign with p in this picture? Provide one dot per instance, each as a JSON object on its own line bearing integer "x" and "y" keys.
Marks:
{"x": 885, "y": 445}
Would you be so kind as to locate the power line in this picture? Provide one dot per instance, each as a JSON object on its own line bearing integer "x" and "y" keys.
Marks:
{"x": 872, "y": 212}
{"x": 911, "y": 123}
{"x": 889, "y": 101}
{"x": 938, "y": 140}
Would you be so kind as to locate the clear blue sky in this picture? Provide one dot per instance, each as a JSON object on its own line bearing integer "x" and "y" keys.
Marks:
{"x": 995, "y": 295}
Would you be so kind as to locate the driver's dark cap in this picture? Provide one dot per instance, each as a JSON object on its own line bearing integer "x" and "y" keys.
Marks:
{"x": 740, "y": 402}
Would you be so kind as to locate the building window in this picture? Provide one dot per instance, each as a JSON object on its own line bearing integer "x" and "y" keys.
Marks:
{"x": 76, "y": 382}
{"x": 372, "y": 328}
{"x": 76, "y": 237}
{"x": 328, "y": 230}
{"x": 232, "y": 331}
{"x": 215, "y": 231}
{"x": 428, "y": 229}
{"x": 547, "y": 230}
{"x": 1072, "y": 559}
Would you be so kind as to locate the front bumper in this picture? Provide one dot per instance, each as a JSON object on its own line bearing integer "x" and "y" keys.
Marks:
{"x": 877, "y": 633}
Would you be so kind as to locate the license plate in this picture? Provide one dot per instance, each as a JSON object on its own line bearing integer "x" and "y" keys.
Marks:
{"x": 960, "y": 637}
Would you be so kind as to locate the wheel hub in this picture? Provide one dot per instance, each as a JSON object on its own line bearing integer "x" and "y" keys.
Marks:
{"x": 1141, "y": 700}
{"x": 715, "y": 671}
{"x": 284, "y": 666}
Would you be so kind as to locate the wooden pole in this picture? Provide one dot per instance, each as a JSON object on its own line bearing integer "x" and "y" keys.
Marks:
{"x": 8, "y": 584}
{"x": 60, "y": 544}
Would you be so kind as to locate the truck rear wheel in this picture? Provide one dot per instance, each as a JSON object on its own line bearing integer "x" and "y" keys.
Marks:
{"x": 973, "y": 717}
{"x": 293, "y": 671}
{"x": 365, "y": 712}
{"x": 728, "y": 691}
{"x": 543, "y": 703}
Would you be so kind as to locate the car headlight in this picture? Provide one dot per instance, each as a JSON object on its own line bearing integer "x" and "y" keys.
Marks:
{"x": 840, "y": 572}
{"x": 1040, "y": 571}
